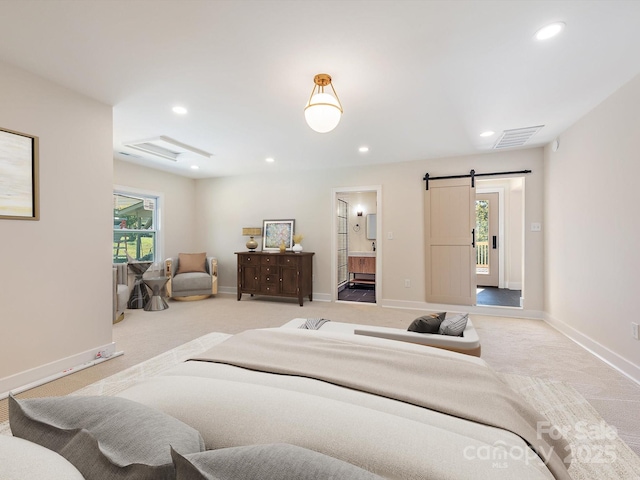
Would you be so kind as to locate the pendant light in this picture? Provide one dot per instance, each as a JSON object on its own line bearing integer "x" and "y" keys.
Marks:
{"x": 323, "y": 110}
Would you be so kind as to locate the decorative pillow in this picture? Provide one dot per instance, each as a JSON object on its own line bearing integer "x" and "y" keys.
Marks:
{"x": 21, "y": 459}
{"x": 105, "y": 438}
{"x": 192, "y": 262}
{"x": 427, "y": 323}
{"x": 277, "y": 461}
{"x": 455, "y": 325}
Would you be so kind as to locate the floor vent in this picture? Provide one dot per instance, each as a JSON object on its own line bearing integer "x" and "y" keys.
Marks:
{"x": 516, "y": 137}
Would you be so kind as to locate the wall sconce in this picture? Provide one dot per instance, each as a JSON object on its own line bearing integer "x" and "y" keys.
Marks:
{"x": 251, "y": 232}
{"x": 359, "y": 210}
{"x": 323, "y": 110}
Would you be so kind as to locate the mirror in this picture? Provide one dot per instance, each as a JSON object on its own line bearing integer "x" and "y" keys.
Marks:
{"x": 371, "y": 226}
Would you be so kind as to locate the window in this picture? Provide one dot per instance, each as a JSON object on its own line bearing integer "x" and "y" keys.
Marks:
{"x": 135, "y": 227}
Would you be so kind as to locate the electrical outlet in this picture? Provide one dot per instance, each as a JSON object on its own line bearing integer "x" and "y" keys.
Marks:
{"x": 634, "y": 330}
{"x": 536, "y": 227}
{"x": 407, "y": 283}
{"x": 390, "y": 236}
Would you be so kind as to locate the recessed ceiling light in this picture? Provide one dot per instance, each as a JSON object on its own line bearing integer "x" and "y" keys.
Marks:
{"x": 179, "y": 110}
{"x": 549, "y": 31}
{"x": 195, "y": 167}
{"x": 363, "y": 149}
{"x": 488, "y": 133}
{"x": 270, "y": 160}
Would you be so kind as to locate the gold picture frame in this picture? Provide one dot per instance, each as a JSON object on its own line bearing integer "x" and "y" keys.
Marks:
{"x": 19, "y": 188}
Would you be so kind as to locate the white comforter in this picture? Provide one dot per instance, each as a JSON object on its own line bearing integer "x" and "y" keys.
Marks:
{"x": 233, "y": 406}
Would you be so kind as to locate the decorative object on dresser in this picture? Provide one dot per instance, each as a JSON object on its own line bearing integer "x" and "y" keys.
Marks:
{"x": 277, "y": 232}
{"x": 251, "y": 232}
{"x": 297, "y": 243}
{"x": 276, "y": 274}
{"x": 192, "y": 276}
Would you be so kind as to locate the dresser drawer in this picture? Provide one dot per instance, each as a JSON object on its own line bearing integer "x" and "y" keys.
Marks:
{"x": 269, "y": 259}
{"x": 269, "y": 279}
{"x": 267, "y": 269}
{"x": 289, "y": 260}
{"x": 249, "y": 259}
{"x": 269, "y": 289}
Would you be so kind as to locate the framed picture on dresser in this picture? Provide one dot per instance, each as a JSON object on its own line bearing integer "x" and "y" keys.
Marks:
{"x": 277, "y": 232}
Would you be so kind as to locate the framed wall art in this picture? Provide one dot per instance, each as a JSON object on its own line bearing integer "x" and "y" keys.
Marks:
{"x": 18, "y": 176}
{"x": 276, "y": 232}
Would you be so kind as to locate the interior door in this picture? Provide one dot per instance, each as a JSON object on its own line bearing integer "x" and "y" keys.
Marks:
{"x": 450, "y": 256}
{"x": 487, "y": 241}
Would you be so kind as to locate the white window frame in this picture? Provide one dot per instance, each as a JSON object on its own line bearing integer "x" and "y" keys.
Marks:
{"x": 159, "y": 215}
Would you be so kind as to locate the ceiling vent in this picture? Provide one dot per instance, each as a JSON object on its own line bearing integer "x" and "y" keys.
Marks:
{"x": 516, "y": 137}
{"x": 166, "y": 147}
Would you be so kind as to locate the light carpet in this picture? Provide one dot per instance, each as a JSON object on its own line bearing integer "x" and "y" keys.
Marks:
{"x": 598, "y": 452}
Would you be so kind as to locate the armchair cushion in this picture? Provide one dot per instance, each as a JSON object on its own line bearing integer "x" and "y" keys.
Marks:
{"x": 192, "y": 262}
{"x": 191, "y": 281}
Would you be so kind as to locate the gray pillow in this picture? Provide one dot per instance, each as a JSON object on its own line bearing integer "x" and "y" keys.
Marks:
{"x": 105, "y": 438}
{"x": 455, "y": 325}
{"x": 427, "y": 323}
{"x": 277, "y": 461}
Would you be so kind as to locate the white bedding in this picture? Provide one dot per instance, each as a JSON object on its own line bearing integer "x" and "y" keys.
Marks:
{"x": 234, "y": 406}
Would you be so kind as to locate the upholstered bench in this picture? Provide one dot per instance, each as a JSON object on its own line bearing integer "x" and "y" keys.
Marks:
{"x": 468, "y": 343}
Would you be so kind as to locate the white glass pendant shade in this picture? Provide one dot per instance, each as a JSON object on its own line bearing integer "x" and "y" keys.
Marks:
{"x": 323, "y": 112}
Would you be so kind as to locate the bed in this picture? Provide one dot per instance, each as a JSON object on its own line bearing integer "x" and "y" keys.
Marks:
{"x": 399, "y": 410}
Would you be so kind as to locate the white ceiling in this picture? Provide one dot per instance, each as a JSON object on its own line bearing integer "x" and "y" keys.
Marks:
{"x": 417, "y": 79}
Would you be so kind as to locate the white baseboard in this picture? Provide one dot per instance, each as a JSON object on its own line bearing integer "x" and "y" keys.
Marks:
{"x": 621, "y": 364}
{"x": 478, "y": 310}
{"x": 34, "y": 377}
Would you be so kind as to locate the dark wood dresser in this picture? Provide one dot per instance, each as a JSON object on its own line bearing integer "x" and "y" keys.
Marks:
{"x": 276, "y": 274}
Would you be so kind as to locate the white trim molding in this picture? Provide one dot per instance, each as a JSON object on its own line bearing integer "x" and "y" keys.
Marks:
{"x": 37, "y": 376}
{"x": 621, "y": 364}
{"x": 496, "y": 311}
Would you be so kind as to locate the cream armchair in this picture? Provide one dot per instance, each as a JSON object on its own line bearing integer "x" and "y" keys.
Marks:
{"x": 120, "y": 291}
{"x": 192, "y": 276}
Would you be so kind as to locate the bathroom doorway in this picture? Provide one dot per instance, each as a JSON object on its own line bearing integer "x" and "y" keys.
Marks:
{"x": 356, "y": 253}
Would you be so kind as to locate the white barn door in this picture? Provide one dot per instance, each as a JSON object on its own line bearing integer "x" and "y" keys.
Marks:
{"x": 450, "y": 220}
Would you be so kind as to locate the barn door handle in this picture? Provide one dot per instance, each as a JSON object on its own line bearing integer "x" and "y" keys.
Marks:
{"x": 473, "y": 238}
{"x": 495, "y": 242}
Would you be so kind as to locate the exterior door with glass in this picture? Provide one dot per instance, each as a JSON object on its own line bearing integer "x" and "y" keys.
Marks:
{"x": 487, "y": 239}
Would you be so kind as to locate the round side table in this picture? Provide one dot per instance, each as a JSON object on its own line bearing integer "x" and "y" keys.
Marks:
{"x": 157, "y": 301}
{"x": 139, "y": 295}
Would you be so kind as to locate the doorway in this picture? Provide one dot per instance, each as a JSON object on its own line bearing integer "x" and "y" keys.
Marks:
{"x": 499, "y": 246}
{"x": 465, "y": 251}
{"x": 356, "y": 257}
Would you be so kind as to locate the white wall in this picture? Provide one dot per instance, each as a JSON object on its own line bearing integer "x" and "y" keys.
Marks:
{"x": 230, "y": 203}
{"x": 55, "y": 287}
{"x": 592, "y": 226}
{"x": 178, "y": 216}
{"x": 358, "y": 241}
